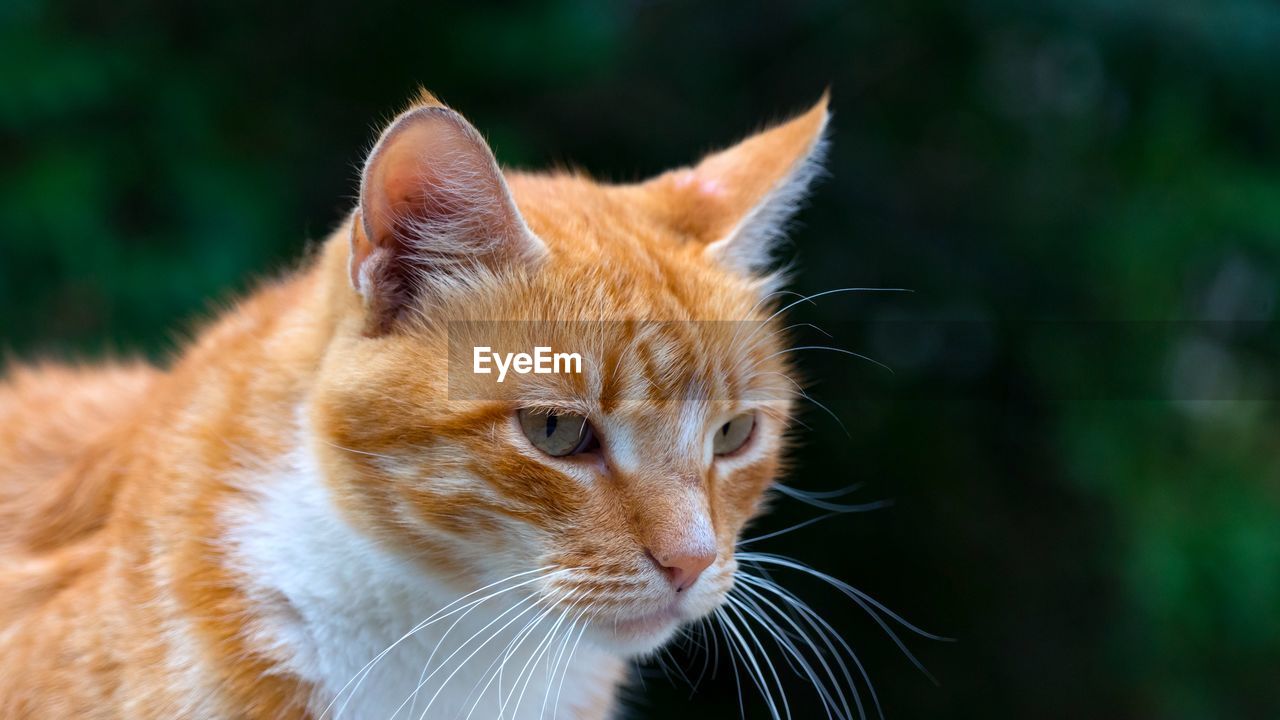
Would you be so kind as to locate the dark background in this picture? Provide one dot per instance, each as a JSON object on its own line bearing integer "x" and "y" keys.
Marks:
{"x": 1080, "y": 437}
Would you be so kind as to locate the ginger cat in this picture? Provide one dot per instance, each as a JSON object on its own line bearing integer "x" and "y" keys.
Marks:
{"x": 310, "y": 515}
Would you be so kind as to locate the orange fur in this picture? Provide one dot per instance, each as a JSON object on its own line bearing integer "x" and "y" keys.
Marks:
{"x": 119, "y": 594}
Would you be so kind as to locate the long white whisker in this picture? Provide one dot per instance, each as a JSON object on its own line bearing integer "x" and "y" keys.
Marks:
{"x": 535, "y": 657}
{"x": 513, "y": 647}
{"x": 733, "y": 662}
{"x": 841, "y": 585}
{"x": 444, "y": 663}
{"x": 842, "y": 351}
{"x": 434, "y": 617}
{"x": 810, "y": 298}
{"x": 705, "y": 646}
{"x": 502, "y": 656}
{"x": 784, "y": 531}
{"x": 426, "y": 665}
{"x": 560, "y": 655}
{"x": 817, "y": 501}
{"x": 801, "y": 392}
{"x": 431, "y": 656}
{"x": 746, "y": 318}
{"x": 560, "y": 688}
{"x": 825, "y": 633}
{"x": 829, "y": 494}
{"x": 757, "y": 676}
{"x": 746, "y": 587}
{"x": 736, "y": 609}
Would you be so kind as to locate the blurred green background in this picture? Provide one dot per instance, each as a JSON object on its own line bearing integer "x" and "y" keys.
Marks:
{"x": 1081, "y": 436}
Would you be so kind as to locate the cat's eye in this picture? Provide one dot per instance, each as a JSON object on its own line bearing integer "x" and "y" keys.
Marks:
{"x": 731, "y": 436}
{"x": 557, "y": 433}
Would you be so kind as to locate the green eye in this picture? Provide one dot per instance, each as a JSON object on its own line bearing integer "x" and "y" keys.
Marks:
{"x": 731, "y": 436}
{"x": 556, "y": 434}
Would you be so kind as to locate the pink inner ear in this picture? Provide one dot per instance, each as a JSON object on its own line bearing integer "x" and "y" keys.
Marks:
{"x": 688, "y": 180}
{"x": 432, "y": 173}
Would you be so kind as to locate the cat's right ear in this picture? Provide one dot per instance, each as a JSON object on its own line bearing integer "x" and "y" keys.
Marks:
{"x": 433, "y": 207}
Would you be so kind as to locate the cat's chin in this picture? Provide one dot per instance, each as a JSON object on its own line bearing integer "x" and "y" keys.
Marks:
{"x": 639, "y": 634}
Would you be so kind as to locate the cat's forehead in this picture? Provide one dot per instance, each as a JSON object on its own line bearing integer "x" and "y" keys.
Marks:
{"x": 573, "y": 213}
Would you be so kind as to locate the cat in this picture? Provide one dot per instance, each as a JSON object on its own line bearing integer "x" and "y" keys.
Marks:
{"x": 310, "y": 515}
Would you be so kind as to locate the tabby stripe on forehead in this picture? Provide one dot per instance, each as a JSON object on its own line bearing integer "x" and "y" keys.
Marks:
{"x": 732, "y": 386}
{"x": 649, "y": 371}
{"x": 611, "y": 370}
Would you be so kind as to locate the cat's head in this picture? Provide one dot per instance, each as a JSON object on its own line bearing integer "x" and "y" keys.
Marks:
{"x": 616, "y": 494}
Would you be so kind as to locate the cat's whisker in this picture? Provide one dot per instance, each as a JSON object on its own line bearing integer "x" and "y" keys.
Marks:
{"x": 736, "y": 609}
{"x": 739, "y": 649}
{"x": 844, "y": 587}
{"x": 491, "y": 671}
{"x": 827, "y": 494}
{"x": 465, "y": 643}
{"x": 836, "y": 291}
{"x": 425, "y": 677}
{"x": 791, "y": 654}
{"x": 512, "y": 648}
{"x": 809, "y": 299}
{"x": 801, "y": 392}
{"x": 705, "y": 646}
{"x": 679, "y": 668}
{"x": 434, "y": 650}
{"x": 753, "y": 337}
{"x": 434, "y": 617}
{"x": 667, "y": 663}
{"x": 535, "y": 657}
{"x": 776, "y": 533}
{"x": 818, "y": 500}
{"x": 563, "y": 675}
{"x": 733, "y": 663}
{"x": 829, "y": 348}
{"x": 431, "y": 656}
{"x": 757, "y": 600}
{"x": 825, "y": 633}
{"x": 555, "y": 661}
{"x": 793, "y": 326}
{"x": 751, "y": 312}
{"x": 713, "y": 640}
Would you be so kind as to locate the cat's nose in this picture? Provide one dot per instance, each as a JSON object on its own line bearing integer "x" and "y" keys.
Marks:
{"x": 683, "y": 567}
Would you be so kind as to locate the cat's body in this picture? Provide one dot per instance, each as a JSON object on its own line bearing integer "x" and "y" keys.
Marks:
{"x": 239, "y": 535}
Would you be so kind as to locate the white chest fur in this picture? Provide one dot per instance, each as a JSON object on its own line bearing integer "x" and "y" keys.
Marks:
{"x": 332, "y": 601}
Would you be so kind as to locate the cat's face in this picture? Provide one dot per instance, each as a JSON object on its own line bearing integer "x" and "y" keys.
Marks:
{"x": 614, "y": 495}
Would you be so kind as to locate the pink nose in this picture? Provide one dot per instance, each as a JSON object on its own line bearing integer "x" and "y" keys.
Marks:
{"x": 684, "y": 568}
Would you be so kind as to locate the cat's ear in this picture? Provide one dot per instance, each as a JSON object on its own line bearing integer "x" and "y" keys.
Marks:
{"x": 738, "y": 201}
{"x": 433, "y": 207}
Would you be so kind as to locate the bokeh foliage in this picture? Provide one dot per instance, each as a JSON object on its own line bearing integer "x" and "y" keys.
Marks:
{"x": 1081, "y": 435}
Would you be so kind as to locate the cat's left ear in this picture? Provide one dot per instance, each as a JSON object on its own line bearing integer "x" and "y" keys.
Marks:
{"x": 434, "y": 209}
{"x": 738, "y": 201}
